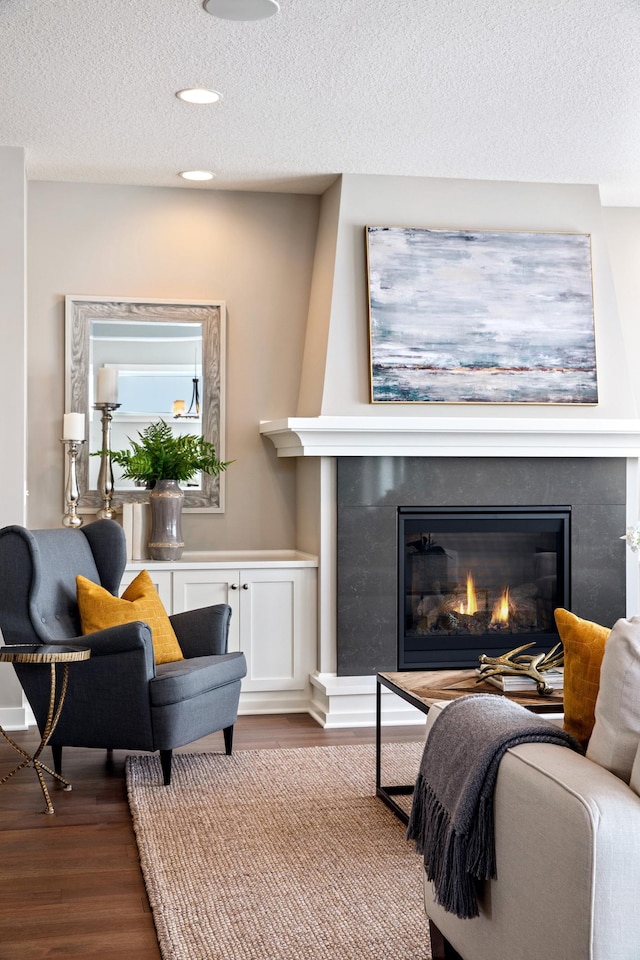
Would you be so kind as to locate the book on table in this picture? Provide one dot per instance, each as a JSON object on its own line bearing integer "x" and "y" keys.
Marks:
{"x": 511, "y": 683}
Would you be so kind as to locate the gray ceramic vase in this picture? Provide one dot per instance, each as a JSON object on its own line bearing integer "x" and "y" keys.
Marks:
{"x": 166, "y": 500}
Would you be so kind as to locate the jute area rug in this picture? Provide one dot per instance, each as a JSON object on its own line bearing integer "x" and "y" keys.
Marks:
{"x": 277, "y": 855}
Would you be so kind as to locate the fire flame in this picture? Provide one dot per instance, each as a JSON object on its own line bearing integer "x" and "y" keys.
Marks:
{"x": 501, "y": 609}
{"x": 500, "y": 613}
{"x": 471, "y": 605}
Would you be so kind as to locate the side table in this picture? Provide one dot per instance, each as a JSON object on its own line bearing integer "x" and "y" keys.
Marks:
{"x": 52, "y": 654}
{"x": 424, "y": 688}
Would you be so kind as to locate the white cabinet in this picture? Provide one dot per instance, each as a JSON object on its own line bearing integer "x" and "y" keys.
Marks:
{"x": 273, "y": 621}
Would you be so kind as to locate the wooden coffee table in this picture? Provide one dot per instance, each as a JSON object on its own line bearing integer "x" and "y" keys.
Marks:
{"x": 424, "y": 688}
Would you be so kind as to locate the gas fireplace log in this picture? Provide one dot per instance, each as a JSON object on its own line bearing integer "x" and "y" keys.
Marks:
{"x": 437, "y": 613}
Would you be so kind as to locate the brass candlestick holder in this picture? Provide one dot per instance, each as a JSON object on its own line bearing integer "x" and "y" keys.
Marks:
{"x": 71, "y": 494}
{"x": 105, "y": 475}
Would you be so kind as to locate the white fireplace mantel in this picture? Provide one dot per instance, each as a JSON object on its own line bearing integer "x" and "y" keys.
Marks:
{"x": 381, "y": 436}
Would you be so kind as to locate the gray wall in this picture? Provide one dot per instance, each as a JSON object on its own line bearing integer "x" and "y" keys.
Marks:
{"x": 253, "y": 250}
{"x": 371, "y": 488}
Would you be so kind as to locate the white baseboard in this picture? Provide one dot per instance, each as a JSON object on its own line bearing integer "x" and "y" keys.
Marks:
{"x": 351, "y": 702}
{"x": 334, "y": 702}
{"x": 16, "y": 718}
{"x": 274, "y": 701}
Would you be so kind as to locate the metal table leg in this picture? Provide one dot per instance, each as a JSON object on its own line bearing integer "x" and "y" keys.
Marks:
{"x": 53, "y": 715}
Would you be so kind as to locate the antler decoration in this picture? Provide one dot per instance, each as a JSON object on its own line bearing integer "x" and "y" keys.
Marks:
{"x": 515, "y": 663}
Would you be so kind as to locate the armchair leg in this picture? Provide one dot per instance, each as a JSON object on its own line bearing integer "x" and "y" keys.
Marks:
{"x": 228, "y": 740}
{"x": 165, "y": 760}
{"x": 57, "y": 757}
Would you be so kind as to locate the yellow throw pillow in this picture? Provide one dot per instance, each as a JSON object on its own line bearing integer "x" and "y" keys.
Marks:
{"x": 99, "y": 609}
{"x": 583, "y": 643}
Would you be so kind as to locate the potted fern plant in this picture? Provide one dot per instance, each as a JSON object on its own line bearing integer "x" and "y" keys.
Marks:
{"x": 160, "y": 460}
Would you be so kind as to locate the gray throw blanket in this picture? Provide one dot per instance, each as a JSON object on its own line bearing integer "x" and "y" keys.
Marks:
{"x": 451, "y": 818}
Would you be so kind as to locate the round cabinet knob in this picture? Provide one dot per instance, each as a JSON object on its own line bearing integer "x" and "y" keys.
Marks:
{"x": 234, "y": 586}
{"x": 245, "y": 586}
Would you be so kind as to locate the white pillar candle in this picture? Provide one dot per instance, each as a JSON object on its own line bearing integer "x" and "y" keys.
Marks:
{"x": 107, "y": 390}
{"x": 73, "y": 426}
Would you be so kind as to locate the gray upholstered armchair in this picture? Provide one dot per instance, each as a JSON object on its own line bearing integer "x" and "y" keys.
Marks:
{"x": 118, "y": 699}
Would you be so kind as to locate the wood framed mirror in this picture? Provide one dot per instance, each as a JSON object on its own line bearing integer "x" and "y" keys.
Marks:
{"x": 169, "y": 363}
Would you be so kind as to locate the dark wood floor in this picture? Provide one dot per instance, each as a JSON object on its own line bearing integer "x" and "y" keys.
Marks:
{"x": 70, "y": 883}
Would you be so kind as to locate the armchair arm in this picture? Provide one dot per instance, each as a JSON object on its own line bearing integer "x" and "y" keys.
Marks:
{"x": 132, "y": 639}
{"x": 204, "y": 631}
{"x": 125, "y": 638}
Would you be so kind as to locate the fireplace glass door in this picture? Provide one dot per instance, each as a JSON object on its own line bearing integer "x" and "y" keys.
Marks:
{"x": 479, "y": 580}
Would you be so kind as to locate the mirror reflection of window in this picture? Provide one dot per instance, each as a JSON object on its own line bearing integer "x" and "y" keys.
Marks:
{"x": 156, "y": 390}
{"x": 159, "y": 377}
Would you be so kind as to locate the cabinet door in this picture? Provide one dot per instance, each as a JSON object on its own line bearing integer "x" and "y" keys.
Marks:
{"x": 161, "y": 580}
{"x": 277, "y": 618}
{"x": 203, "y": 588}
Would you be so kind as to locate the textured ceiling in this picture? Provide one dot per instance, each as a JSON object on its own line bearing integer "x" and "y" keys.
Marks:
{"x": 488, "y": 89}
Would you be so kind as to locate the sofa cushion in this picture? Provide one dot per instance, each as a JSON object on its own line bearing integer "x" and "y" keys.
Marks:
{"x": 616, "y": 732}
{"x": 584, "y": 644}
{"x": 99, "y": 609}
{"x": 185, "y": 679}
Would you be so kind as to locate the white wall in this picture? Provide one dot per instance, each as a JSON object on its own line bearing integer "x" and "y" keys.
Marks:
{"x": 255, "y": 251}
{"x": 13, "y": 326}
{"x": 408, "y": 201}
{"x": 312, "y": 381}
{"x": 13, "y": 381}
{"x": 622, "y": 228}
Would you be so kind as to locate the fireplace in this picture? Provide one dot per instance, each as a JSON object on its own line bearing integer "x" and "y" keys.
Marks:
{"x": 370, "y": 491}
{"x": 479, "y": 580}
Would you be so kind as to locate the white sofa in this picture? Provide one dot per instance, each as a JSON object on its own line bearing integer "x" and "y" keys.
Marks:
{"x": 567, "y": 835}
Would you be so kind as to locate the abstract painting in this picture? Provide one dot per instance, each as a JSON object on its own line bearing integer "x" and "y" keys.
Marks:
{"x": 471, "y": 316}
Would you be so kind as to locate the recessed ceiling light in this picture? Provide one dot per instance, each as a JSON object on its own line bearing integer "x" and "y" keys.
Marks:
{"x": 241, "y": 9}
{"x": 199, "y": 95}
{"x": 197, "y": 175}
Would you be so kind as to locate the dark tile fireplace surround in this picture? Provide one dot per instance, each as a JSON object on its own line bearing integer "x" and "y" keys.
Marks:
{"x": 371, "y": 489}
